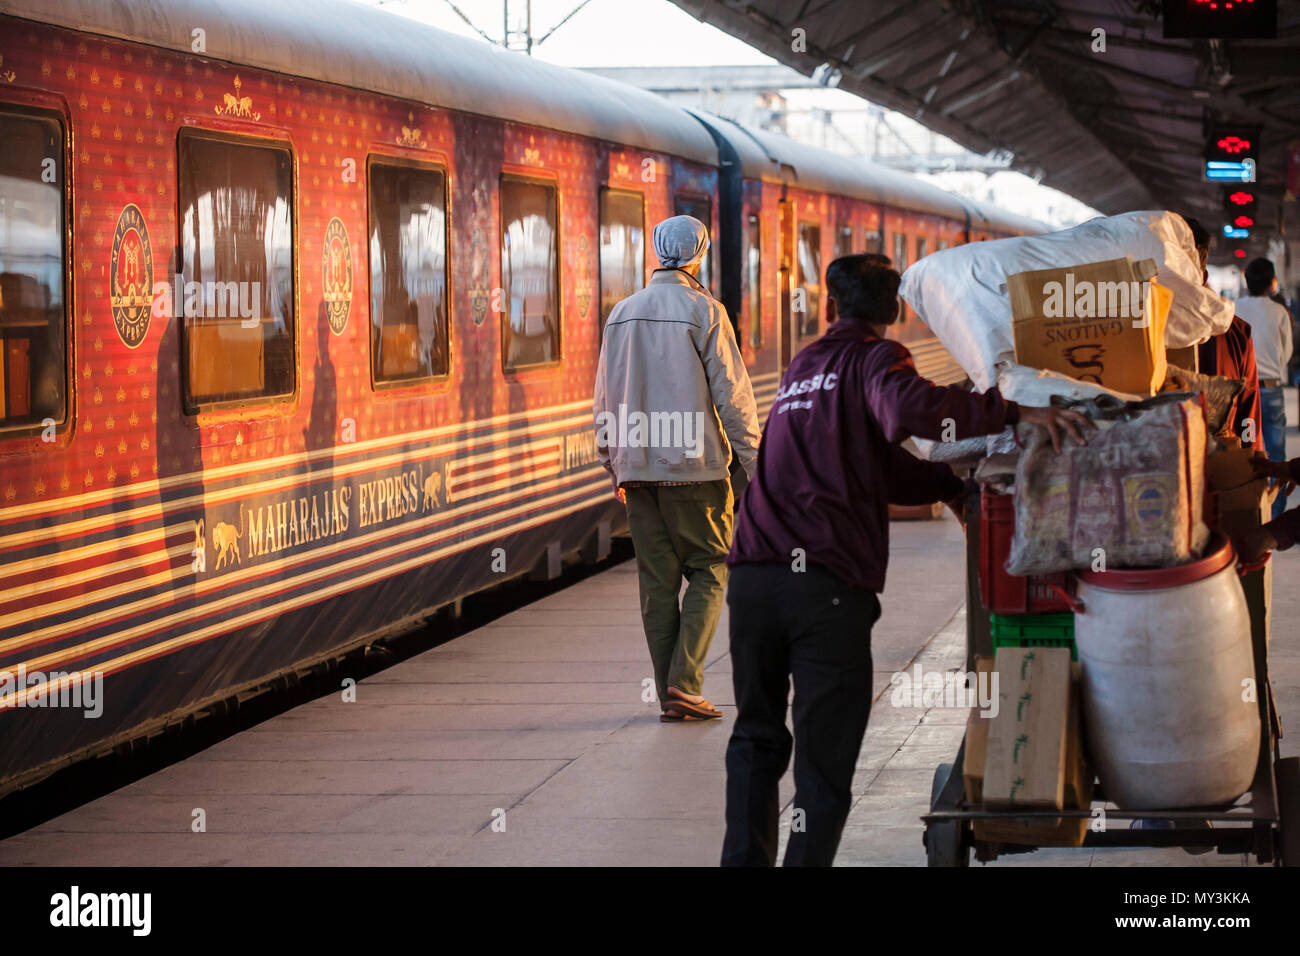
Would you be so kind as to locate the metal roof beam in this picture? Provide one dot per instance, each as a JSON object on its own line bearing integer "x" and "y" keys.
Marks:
{"x": 983, "y": 90}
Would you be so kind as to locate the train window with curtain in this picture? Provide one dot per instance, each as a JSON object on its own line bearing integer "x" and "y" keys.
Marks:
{"x": 701, "y": 209}
{"x": 530, "y": 272}
{"x": 409, "y": 338}
{"x": 33, "y": 325}
{"x": 809, "y": 278}
{"x": 922, "y": 247}
{"x": 236, "y": 244}
{"x": 871, "y": 241}
{"x": 844, "y": 241}
{"x": 941, "y": 245}
{"x": 754, "y": 277}
{"x": 622, "y": 248}
{"x": 900, "y": 251}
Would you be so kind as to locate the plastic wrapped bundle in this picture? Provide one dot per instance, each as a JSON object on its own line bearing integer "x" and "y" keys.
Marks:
{"x": 1027, "y": 386}
{"x": 961, "y": 293}
{"x": 1130, "y": 498}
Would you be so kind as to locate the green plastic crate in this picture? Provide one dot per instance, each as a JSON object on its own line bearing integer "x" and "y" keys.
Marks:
{"x": 1033, "y": 630}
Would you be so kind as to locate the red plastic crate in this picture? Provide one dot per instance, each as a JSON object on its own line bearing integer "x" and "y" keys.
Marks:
{"x": 1004, "y": 593}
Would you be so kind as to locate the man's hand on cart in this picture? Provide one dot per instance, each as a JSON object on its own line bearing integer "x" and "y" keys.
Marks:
{"x": 1278, "y": 470}
{"x": 1057, "y": 421}
{"x": 1254, "y": 546}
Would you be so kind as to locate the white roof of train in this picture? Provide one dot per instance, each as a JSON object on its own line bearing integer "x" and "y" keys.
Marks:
{"x": 362, "y": 47}
{"x": 775, "y": 158}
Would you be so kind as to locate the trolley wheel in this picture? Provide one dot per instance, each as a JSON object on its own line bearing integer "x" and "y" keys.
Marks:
{"x": 944, "y": 845}
{"x": 1288, "y": 801}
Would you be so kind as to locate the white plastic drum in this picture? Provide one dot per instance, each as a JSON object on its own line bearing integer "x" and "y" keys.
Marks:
{"x": 1170, "y": 703}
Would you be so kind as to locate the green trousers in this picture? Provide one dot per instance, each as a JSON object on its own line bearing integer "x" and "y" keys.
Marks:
{"x": 680, "y": 531}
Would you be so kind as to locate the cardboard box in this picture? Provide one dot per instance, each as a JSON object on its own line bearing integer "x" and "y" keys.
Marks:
{"x": 1025, "y": 767}
{"x": 1077, "y": 792}
{"x": 977, "y": 742}
{"x": 1101, "y": 322}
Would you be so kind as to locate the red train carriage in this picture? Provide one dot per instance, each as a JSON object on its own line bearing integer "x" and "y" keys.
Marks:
{"x": 300, "y": 307}
{"x": 289, "y": 361}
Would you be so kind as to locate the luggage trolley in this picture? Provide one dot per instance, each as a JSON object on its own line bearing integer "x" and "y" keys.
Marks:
{"x": 1264, "y": 821}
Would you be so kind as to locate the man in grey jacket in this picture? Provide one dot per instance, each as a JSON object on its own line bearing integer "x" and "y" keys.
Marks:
{"x": 675, "y": 423}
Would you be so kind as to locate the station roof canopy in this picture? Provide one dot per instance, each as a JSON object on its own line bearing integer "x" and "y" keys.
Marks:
{"x": 1120, "y": 130}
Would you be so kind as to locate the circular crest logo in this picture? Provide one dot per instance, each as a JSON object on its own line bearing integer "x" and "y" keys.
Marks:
{"x": 338, "y": 276}
{"x": 131, "y": 289}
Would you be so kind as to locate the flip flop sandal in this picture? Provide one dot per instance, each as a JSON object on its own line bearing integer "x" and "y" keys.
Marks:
{"x": 667, "y": 718}
{"x": 704, "y": 710}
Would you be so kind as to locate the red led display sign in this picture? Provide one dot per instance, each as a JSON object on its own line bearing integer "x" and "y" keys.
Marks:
{"x": 1222, "y": 19}
{"x": 1232, "y": 142}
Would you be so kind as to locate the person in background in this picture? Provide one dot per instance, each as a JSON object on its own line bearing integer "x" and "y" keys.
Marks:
{"x": 1270, "y": 326}
{"x": 669, "y": 355}
{"x": 810, "y": 552}
{"x": 1231, "y": 355}
{"x": 1293, "y": 367}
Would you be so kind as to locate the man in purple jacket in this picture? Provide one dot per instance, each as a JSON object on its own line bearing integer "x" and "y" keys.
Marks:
{"x": 809, "y": 554}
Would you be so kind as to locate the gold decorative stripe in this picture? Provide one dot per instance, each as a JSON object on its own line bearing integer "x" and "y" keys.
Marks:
{"x": 199, "y": 588}
{"x": 518, "y": 464}
{"x": 47, "y": 585}
{"x": 590, "y": 492}
{"x": 49, "y": 562}
{"x": 154, "y": 511}
{"x": 252, "y": 617}
{"x": 158, "y": 485}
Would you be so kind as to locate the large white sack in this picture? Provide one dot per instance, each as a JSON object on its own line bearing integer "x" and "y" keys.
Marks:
{"x": 1024, "y": 386}
{"x": 961, "y": 293}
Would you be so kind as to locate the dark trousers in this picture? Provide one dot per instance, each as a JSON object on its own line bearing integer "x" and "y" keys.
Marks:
{"x": 812, "y": 626}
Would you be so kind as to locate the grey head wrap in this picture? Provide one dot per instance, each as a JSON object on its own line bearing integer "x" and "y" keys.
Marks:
{"x": 680, "y": 241}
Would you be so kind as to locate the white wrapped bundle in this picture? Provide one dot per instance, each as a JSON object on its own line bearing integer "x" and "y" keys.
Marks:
{"x": 961, "y": 293}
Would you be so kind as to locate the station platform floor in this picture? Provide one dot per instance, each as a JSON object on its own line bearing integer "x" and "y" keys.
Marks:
{"x": 537, "y": 721}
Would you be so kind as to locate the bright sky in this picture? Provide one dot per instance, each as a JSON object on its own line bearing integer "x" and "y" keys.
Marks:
{"x": 603, "y": 33}
{"x": 659, "y": 33}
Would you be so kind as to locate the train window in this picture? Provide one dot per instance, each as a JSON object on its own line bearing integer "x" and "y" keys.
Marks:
{"x": 941, "y": 245}
{"x": 408, "y": 272}
{"x": 754, "y": 266}
{"x": 922, "y": 247}
{"x": 871, "y": 241}
{"x": 809, "y": 277}
{"x": 622, "y": 248}
{"x": 530, "y": 272}
{"x": 701, "y": 209}
{"x": 33, "y": 327}
{"x": 844, "y": 241}
{"x": 236, "y": 245}
{"x": 900, "y": 251}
